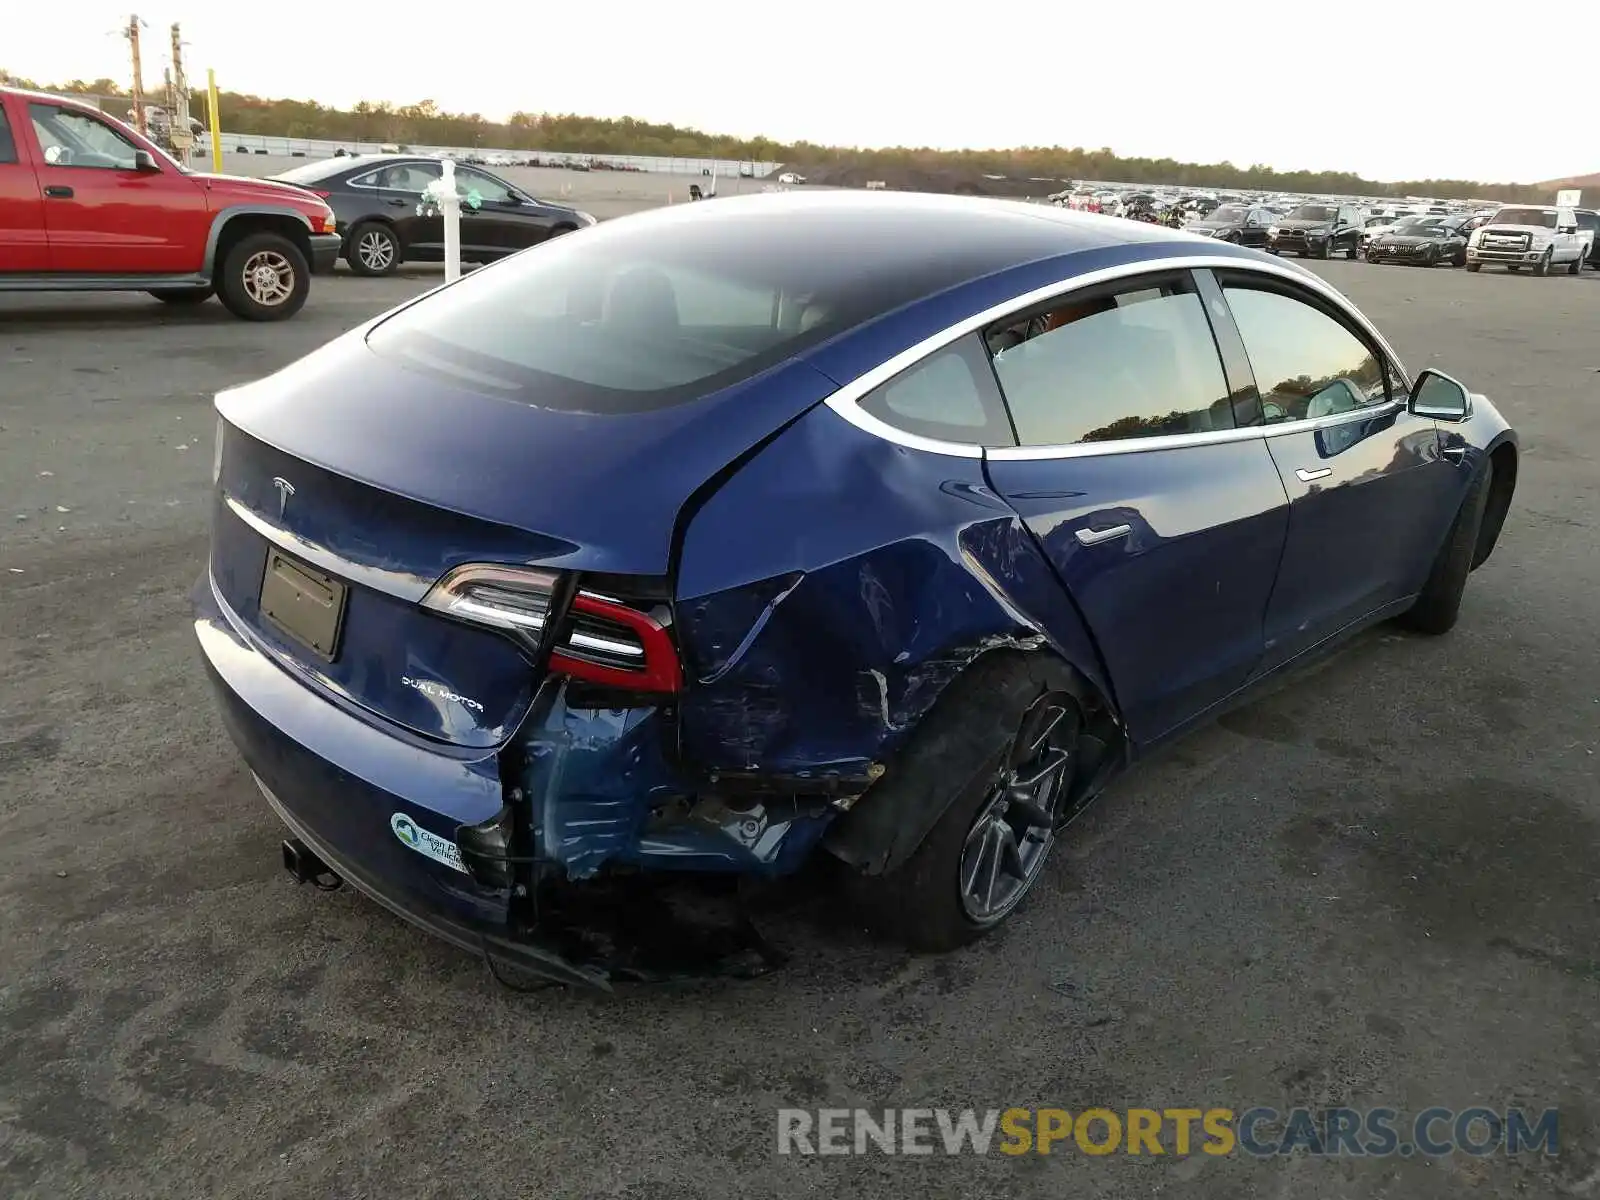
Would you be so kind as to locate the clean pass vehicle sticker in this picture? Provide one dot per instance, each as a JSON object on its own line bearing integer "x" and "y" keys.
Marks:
{"x": 431, "y": 844}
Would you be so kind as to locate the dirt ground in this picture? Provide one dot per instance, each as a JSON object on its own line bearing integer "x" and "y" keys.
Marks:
{"x": 1376, "y": 885}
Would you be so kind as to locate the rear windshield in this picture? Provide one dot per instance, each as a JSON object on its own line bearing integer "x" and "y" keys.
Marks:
{"x": 311, "y": 172}
{"x": 656, "y": 310}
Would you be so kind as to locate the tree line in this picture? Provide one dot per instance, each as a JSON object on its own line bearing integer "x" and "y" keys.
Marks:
{"x": 425, "y": 123}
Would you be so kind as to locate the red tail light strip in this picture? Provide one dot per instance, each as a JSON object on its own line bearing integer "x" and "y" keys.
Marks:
{"x": 660, "y": 672}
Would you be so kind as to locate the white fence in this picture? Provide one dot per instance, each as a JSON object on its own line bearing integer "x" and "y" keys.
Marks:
{"x": 314, "y": 148}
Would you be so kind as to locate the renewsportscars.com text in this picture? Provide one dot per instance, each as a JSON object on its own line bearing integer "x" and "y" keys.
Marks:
{"x": 1258, "y": 1132}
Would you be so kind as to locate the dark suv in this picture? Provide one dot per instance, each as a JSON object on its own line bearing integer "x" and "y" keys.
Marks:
{"x": 1318, "y": 230}
{"x": 383, "y": 220}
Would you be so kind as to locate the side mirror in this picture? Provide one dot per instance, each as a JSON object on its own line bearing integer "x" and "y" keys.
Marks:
{"x": 143, "y": 160}
{"x": 1436, "y": 395}
{"x": 1568, "y": 229}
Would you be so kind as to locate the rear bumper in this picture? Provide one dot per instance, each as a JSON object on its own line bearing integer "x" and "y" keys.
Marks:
{"x": 340, "y": 783}
{"x": 324, "y": 252}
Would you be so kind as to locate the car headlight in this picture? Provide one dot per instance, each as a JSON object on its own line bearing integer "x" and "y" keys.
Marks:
{"x": 1272, "y": 231}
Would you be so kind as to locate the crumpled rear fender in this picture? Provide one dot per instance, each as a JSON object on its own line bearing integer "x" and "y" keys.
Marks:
{"x": 831, "y": 590}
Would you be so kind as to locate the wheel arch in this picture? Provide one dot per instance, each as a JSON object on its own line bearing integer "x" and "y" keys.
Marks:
{"x": 240, "y": 220}
{"x": 1504, "y": 459}
{"x": 882, "y": 829}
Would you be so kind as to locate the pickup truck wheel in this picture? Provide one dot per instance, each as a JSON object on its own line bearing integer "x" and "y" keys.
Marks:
{"x": 1472, "y": 266}
{"x": 374, "y": 250}
{"x": 188, "y": 295}
{"x": 1542, "y": 267}
{"x": 1576, "y": 264}
{"x": 264, "y": 277}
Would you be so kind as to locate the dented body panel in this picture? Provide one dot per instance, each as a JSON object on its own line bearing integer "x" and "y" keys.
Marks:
{"x": 830, "y": 592}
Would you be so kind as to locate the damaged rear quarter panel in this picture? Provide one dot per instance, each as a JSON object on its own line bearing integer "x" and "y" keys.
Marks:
{"x": 832, "y": 589}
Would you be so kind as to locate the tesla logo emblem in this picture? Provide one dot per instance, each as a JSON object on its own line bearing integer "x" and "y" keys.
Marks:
{"x": 285, "y": 490}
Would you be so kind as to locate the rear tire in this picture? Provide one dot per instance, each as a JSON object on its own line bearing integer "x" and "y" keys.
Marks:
{"x": 982, "y": 739}
{"x": 183, "y": 296}
{"x": 1576, "y": 264}
{"x": 374, "y": 249}
{"x": 264, "y": 277}
{"x": 1354, "y": 250}
{"x": 1439, "y": 603}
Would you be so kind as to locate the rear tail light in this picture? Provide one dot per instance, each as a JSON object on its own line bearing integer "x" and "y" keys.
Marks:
{"x": 607, "y": 642}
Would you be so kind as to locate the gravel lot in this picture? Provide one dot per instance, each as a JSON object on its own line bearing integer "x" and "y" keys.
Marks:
{"x": 1375, "y": 886}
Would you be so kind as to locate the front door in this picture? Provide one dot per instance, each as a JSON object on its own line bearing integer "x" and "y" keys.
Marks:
{"x": 105, "y": 216}
{"x": 493, "y": 218}
{"x": 23, "y": 249}
{"x": 1370, "y": 494}
{"x": 1163, "y": 520}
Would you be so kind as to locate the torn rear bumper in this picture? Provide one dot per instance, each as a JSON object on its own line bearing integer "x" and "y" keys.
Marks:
{"x": 486, "y": 942}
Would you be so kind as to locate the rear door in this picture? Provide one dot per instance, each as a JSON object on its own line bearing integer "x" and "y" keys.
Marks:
{"x": 23, "y": 249}
{"x": 1163, "y": 518}
{"x": 104, "y": 216}
{"x": 1370, "y": 494}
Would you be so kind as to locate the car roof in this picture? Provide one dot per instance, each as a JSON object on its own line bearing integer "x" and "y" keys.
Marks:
{"x": 941, "y": 241}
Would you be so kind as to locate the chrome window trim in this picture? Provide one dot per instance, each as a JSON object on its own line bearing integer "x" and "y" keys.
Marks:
{"x": 846, "y": 400}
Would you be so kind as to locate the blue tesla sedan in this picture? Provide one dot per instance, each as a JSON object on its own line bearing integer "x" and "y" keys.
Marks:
{"x": 884, "y": 527}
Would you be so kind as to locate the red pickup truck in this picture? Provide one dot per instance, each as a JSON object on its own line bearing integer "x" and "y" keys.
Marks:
{"x": 86, "y": 204}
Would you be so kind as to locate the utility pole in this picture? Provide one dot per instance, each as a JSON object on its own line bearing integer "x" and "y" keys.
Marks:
{"x": 182, "y": 130}
{"x": 132, "y": 35}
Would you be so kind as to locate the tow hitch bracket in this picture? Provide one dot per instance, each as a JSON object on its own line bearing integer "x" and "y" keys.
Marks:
{"x": 302, "y": 863}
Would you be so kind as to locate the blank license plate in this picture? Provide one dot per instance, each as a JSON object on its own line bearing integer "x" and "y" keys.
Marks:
{"x": 304, "y": 603}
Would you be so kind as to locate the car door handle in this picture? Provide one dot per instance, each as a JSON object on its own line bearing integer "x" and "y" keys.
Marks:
{"x": 1093, "y": 537}
{"x": 1305, "y": 476}
{"x": 57, "y": 191}
{"x": 396, "y": 201}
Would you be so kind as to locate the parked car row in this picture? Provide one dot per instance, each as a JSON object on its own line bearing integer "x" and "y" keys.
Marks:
{"x": 1540, "y": 238}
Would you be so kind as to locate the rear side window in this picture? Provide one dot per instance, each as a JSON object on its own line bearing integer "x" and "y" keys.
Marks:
{"x": 950, "y": 395}
{"x": 1307, "y": 365}
{"x": 8, "y": 144}
{"x": 1133, "y": 364}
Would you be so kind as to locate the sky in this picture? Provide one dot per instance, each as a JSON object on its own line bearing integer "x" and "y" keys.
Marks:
{"x": 1386, "y": 90}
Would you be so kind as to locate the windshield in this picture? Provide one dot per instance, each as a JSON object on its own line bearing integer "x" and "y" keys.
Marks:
{"x": 1313, "y": 212}
{"x": 1526, "y": 216}
{"x": 1227, "y": 214}
{"x": 1416, "y": 224}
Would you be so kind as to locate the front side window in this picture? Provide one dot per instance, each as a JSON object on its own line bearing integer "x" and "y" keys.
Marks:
{"x": 1307, "y": 365}
{"x": 1132, "y": 364}
{"x": 485, "y": 188}
{"x": 949, "y": 396}
{"x": 8, "y": 144}
{"x": 1313, "y": 212}
{"x": 75, "y": 139}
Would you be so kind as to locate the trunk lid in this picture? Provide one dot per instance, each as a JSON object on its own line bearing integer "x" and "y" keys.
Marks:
{"x": 374, "y": 479}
